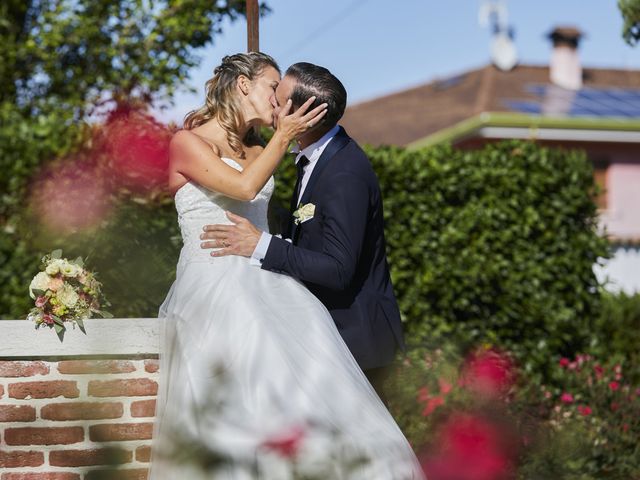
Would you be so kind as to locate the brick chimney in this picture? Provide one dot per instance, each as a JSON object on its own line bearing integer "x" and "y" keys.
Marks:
{"x": 565, "y": 68}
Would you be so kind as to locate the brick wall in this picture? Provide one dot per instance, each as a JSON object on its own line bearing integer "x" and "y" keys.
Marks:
{"x": 76, "y": 416}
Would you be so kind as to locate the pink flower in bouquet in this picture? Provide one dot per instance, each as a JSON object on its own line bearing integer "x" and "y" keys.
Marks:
{"x": 566, "y": 398}
{"x": 47, "y": 319}
{"x": 469, "y": 448}
{"x": 41, "y": 301}
{"x": 488, "y": 373}
{"x": 56, "y": 284}
{"x": 286, "y": 444}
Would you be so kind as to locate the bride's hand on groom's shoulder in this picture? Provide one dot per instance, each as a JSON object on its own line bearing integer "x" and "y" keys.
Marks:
{"x": 240, "y": 238}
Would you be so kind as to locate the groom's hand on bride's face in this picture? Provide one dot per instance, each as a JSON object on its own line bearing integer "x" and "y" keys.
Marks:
{"x": 240, "y": 238}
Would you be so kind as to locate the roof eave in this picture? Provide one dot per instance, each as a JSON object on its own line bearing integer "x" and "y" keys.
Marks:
{"x": 497, "y": 125}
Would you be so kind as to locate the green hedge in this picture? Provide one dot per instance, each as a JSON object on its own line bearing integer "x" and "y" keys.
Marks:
{"x": 490, "y": 246}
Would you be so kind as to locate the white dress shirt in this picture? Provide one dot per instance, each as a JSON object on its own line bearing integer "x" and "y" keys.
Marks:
{"x": 313, "y": 153}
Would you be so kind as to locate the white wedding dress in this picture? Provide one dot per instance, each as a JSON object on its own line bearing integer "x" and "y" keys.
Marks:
{"x": 256, "y": 382}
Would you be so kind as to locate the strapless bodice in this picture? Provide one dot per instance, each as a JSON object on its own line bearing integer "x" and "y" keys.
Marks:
{"x": 198, "y": 207}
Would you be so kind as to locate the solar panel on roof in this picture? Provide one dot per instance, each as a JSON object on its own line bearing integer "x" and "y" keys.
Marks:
{"x": 587, "y": 102}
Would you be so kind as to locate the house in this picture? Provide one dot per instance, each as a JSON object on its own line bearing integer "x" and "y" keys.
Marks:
{"x": 594, "y": 109}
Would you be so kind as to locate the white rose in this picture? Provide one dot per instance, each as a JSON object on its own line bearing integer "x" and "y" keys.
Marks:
{"x": 39, "y": 282}
{"x": 67, "y": 296}
{"x": 69, "y": 269}
{"x": 55, "y": 266}
{"x": 304, "y": 213}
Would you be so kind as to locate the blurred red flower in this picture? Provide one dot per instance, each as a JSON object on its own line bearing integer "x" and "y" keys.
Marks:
{"x": 566, "y": 398}
{"x": 138, "y": 149}
{"x": 287, "y": 443}
{"x": 584, "y": 410}
{"x": 489, "y": 373}
{"x": 469, "y": 448}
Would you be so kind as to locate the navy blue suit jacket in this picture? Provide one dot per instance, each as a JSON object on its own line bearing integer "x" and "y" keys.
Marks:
{"x": 340, "y": 253}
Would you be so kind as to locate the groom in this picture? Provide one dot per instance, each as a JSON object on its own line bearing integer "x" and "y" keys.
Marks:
{"x": 334, "y": 238}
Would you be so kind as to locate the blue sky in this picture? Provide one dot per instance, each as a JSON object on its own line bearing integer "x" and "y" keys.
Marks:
{"x": 379, "y": 46}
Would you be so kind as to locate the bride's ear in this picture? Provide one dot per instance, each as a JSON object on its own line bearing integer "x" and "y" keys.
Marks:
{"x": 243, "y": 84}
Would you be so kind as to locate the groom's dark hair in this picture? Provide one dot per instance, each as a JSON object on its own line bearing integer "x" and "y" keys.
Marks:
{"x": 316, "y": 80}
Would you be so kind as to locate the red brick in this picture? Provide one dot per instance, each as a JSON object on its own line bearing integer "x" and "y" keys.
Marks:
{"x": 50, "y": 389}
{"x": 151, "y": 366}
{"x": 21, "y": 458}
{"x": 83, "y": 458}
{"x": 120, "y": 431}
{"x": 40, "y": 476}
{"x": 123, "y": 388}
{"x": 1, "y": 391}
{"x": 17, "y": 413}
{"x": 143, "y": 453}
{"x": 118, "y": 474}
{"x": 143, "y": 408}
{"x": 95, "y": 366}
{"x": 12, "y": 368}
{"x": 43, "y": 435}
{"x": 81, "y": 411}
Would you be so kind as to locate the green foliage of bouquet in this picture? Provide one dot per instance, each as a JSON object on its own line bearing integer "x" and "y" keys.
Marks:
{"x": 64, "y": 291}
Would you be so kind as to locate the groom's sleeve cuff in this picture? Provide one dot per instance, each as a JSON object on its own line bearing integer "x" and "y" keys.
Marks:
{"x": 261, "y": 249}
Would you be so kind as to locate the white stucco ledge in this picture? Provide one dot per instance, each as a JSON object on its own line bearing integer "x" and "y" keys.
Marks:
{"x": 104, "y": 338}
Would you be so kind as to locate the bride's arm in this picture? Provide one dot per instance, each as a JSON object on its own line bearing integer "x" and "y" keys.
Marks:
{"x": 194, "y": 158}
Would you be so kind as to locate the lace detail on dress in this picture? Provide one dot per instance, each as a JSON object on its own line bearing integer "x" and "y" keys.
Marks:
{"x": 198, "y": 207}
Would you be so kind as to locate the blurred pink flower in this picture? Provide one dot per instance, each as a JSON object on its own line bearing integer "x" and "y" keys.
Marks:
{"x": 613, "y": 386}
{"x": 70, "y": 195}
{"x": 566, "y": 398}
{"x": 469, "y": 448}
{"x": 286, "y": 444}
{"x": 584, "y": 410}
{"x": 423, "y": 394}
{"x": 432, "y": 404}
{"x": 138, "y": 148}
{"x": 488, "y": 373}
{"x": 564, "y": 362}
{"x": 445, "y": 387}
{"x": 599, "y": 371}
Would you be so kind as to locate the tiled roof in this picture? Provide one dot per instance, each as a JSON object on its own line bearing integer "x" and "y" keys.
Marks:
{"x": 404, "y": 117}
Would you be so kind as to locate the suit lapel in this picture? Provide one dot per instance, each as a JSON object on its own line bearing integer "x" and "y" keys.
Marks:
{"x": 336, "y": 144}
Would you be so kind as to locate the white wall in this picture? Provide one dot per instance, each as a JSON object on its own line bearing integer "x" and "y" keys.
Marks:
{"x": 622, "y": 271}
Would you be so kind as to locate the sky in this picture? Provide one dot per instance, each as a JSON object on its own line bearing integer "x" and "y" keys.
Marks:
{"x": 377, "y": 47}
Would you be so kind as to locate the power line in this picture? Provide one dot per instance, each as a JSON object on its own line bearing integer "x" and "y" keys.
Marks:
{"x": 327, "y": 25}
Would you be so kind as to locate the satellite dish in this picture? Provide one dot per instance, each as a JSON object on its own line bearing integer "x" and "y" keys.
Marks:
{"x": 503, "y": 50}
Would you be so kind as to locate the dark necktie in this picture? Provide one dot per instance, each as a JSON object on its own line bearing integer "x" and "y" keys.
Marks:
{"x": 302, "y": 162}
{"x": 300, "y": 166}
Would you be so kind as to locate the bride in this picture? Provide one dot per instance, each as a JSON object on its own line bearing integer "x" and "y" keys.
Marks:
{"x": 256, "y": 382}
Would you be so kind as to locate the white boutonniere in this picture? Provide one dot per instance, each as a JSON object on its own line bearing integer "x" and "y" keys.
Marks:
{"x": 304, "y": 212}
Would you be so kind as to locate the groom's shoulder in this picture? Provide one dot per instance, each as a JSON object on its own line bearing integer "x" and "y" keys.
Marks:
{"x": 353, "y": 158}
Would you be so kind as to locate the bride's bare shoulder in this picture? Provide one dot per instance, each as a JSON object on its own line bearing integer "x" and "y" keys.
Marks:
{"x": 188, "y": 141}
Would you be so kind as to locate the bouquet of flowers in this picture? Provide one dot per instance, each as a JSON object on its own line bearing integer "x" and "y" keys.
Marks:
{"x": 64, "y": 292}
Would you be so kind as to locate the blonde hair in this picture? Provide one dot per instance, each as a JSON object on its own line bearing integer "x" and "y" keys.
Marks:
{"x": 221, "y": 101}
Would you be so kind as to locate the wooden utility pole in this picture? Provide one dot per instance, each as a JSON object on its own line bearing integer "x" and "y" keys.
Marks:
{"x": 253, "y": 26}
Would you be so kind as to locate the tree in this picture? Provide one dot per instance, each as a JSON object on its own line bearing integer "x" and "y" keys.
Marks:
{"x": 64, "y": 60}
{"x": 630, "y": 10}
